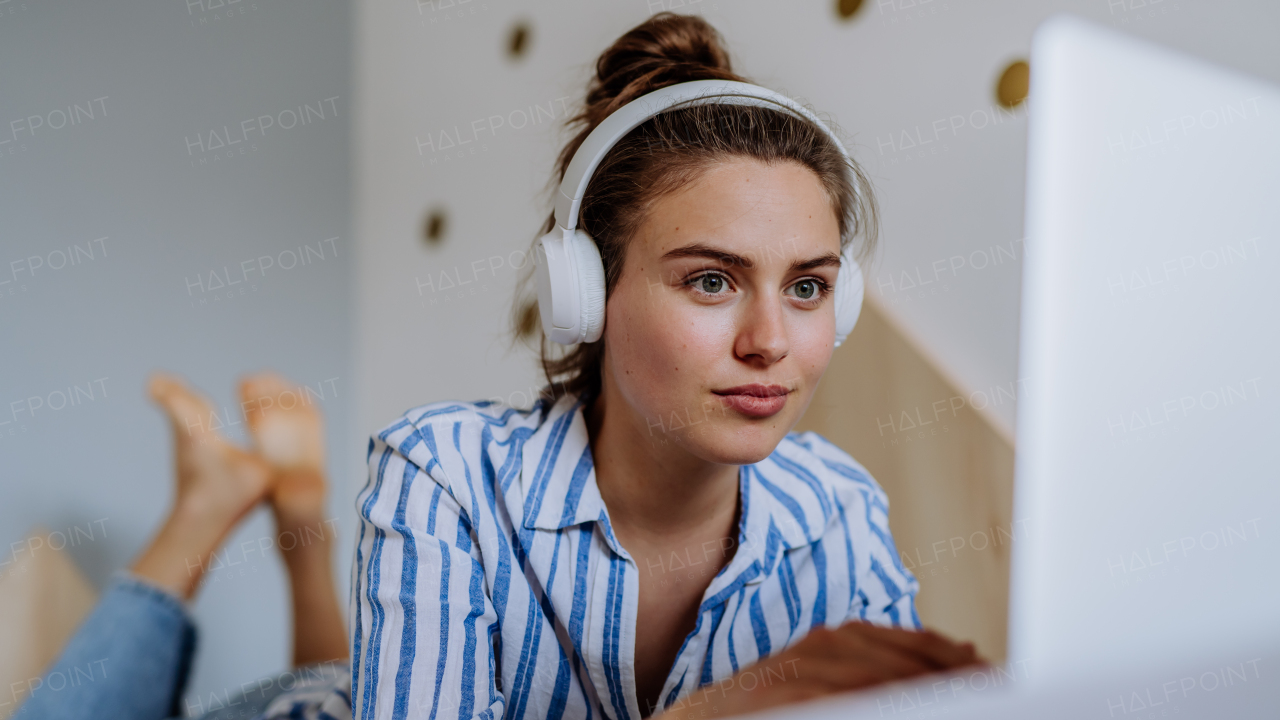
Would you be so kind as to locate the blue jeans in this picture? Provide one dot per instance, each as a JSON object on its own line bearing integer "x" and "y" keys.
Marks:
{"x": 129, "y": 660}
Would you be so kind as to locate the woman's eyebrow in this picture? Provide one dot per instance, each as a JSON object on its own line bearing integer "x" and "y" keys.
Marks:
{"x": 701, "y": 250}
{"x": 828, "y": 260}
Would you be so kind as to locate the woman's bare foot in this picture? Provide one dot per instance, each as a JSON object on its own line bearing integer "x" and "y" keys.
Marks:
{"x": 214, "y": 476}
{"x": 217, "y": 485}
{"x": 288, "y": 433}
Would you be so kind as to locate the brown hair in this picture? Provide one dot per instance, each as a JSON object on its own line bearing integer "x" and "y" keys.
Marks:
{"x": 666, "y": 153}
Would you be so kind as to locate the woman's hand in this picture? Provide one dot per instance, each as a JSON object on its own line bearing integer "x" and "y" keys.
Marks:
{"x": 852, "y": 656}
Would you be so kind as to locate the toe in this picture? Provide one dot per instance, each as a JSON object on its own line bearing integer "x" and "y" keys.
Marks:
{"x": 259, "y": 391}
{"x": 185, "y": 408}
{"x": 160, "y": 385}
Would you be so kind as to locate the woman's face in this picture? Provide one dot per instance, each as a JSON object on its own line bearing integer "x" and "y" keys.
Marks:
{"x": 722, "y": 320}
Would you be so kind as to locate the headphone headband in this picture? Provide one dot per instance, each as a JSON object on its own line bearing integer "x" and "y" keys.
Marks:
{"x": 626, "y": 118}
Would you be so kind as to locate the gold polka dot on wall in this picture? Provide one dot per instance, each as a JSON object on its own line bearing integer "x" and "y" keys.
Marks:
{"x": 518, "y": 40}
{"x": 846, "y": 9}
{"x": 1014, "y": 81}
{"x": 433, "y": 229}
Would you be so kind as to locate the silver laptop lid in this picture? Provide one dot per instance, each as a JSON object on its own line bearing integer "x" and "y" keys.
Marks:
{"x": 1148, "y": 467}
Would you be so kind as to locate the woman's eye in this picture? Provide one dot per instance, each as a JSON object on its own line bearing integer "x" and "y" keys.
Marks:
{"x": 809, "y": 289}
{"x": 711, "y": 284}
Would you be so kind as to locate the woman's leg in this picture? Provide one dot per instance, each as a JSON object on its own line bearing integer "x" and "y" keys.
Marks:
{"x": 289, "y": 435}
{"x": 128, "y": 660}
{"x": 130, "y": 657}
{"x": 217, "y": 485}
{"x": 318, "y": 628}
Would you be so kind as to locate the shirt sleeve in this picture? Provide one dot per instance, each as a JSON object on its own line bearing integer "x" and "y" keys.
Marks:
{"x": 885, "y": 590}
{"x": 886, "y": 593}
{"x": 420, "y": 608}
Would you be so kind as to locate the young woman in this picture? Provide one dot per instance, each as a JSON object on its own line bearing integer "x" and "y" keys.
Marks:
{"x": 651, "y": 536}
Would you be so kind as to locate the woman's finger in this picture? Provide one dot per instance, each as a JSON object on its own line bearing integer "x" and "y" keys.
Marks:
{"x": 846, "y": 674}
{"x": 850, "y": 660}
{"x": 931, "y": 647}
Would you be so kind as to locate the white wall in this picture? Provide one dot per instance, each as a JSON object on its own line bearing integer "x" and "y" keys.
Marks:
{"x": 159, "y": 74}
{"x": 900, "y": 68}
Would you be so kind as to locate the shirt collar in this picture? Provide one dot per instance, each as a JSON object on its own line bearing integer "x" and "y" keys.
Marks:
{"x": 779, "y": 512}
{"x": 785, "y": 505}
{"x": 557, "y": 475}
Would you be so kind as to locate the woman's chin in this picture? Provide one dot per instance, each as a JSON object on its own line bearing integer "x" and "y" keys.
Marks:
{"x": 728, "y": 445}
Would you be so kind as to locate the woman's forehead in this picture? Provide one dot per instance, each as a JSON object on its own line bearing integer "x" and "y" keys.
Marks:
{"x": 746, "y": 207}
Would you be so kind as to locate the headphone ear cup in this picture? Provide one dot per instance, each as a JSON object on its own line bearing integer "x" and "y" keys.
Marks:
{"x": 552, "y": 273}
{"x": 848, "y": 295}
{"x": 590, "y": 286}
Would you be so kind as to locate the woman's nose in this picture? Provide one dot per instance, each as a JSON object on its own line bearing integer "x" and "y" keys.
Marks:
{"x": 762, "y": 331}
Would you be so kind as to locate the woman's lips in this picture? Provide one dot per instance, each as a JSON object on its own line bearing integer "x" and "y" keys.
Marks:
{"x": 756, "y": 401}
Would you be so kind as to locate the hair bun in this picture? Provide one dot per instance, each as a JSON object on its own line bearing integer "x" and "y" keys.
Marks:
{"x": 664, "y": 50}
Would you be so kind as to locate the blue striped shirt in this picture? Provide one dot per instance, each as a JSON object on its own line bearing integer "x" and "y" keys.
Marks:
{"x": 488, "y": 582}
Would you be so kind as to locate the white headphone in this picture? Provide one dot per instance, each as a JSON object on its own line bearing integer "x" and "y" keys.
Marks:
{"x": 571, "y": 285}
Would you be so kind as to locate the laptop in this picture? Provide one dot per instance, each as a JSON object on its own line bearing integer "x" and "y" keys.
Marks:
{"x": 1148, "y": 448}
{"x": 1148, "y": 436}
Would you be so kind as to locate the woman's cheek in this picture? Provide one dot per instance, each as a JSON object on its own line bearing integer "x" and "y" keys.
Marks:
{"x": 701, "y": 339}
{"x": 814, "y": 340}
{"x": 638, "y": 337}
